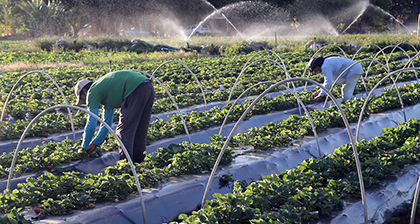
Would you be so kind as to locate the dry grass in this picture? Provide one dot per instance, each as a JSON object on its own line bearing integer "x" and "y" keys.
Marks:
{"x": 19, "y": 66}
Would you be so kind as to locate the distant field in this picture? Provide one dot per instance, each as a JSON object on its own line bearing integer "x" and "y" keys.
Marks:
{"x": 293, "y": 42}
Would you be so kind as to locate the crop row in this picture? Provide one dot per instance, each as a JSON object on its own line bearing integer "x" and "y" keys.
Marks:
{"x": 313, "y": 189}
{"x": 57, "y": 122}
{"x": 61, "y": 57}
{"x": 19, "y": 107}
{"x": 73, "y": 190}
{"x": 213, "y": 73}
{"x": 317, "y": 186}
{"x": 272, "y": 135}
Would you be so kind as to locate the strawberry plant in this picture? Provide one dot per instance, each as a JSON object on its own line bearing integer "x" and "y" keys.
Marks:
{"x": 315, "y": 188}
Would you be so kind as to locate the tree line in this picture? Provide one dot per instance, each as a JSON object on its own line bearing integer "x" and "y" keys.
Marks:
{"x": 35, "y": 18}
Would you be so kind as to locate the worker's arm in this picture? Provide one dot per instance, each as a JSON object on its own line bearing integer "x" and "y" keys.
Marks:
{"x": 328, "y": 80}
{"x": 108, "y": 117}
{"x": 90, "y": 129}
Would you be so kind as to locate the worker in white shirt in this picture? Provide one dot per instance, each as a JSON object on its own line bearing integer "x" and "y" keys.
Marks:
{"x": 331, "y": 68}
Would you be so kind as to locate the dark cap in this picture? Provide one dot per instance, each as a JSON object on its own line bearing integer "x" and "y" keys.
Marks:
{"x": 315, "y": 63}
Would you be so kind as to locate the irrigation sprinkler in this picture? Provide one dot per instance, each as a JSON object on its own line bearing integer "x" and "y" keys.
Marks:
{"x": 127, "y": 155}
{"x": 299, "y": 102}
{"x": 59, "y": 89}
{"x": 173, "y": 101}
{"x": 370, "y": 94}
{"x": 192, "y": 73}
{"x": 418, "y": 27}
{"x": 346, "y": 123}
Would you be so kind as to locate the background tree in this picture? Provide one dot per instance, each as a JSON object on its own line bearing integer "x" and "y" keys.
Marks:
{"x": 44, "y": 18}
{"x": 403, "y": 10}
{"x": 62, "y": 17}
{"x": 10, "y": 18}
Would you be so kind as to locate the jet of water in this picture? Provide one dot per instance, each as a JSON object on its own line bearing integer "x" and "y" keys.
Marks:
{"x": 388, "y": 14}
{"x": 234, "y": 27}
{"x": 216, "y": 11}
{"x": 364, "y": 7}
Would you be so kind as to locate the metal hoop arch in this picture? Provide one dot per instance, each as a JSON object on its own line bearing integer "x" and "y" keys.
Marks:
{"x": 299, "y": 101}
{"x": 415, "y": 200}
{"x": 387, "y": 58}
{"x": 247, "y": 66}
{"x": 192, "y": 73}
{"x": 173, "y": 101}
{"x": 346, "y": 123}
{"x": 259, "y": 52}
{"x": 410, "y": 62}
{"x": 59, "y": 89}
{"x": 370, "y": 94}
{"x": 127, "y": 155}
{"x": 394, "y": 84}
{"x": 329, "y": 45}
{"x": 268, "y": 57}
{"x": 345, "y": 70}
{"x": 306, "y": 67}
{"x": 364, "y": 46}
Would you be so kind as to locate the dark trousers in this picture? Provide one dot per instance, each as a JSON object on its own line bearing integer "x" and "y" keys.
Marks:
{"x": 136, "y": 111}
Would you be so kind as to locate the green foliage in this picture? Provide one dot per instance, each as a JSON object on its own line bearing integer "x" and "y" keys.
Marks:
{"x": 316, "y": 186}
{"x": 235, "y": 50}
{"x": 14, "y": 217}
{"x": 43, "y": 18}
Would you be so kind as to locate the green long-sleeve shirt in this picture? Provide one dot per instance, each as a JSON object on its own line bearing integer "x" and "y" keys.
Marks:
{"x": 109, "y": 90}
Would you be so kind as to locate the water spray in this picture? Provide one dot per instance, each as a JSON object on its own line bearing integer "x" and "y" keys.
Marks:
{"x": 356, "y": 19}
{"x": 387, "y": 13}
{"x": 212, "y": 14}
{"x": 418, "y": 27}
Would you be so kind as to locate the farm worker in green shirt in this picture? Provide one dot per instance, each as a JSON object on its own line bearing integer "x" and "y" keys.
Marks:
{"x": 128, "y": 90}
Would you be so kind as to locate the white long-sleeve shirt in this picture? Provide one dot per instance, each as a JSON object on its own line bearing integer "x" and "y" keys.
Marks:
{"x": 334, "y": 66}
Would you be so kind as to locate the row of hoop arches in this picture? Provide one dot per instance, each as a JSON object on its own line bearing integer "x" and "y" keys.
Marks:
{"x": 409, "y": 66}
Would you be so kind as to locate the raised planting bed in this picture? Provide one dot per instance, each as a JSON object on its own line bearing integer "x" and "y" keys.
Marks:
{"x": 323, "y": 120}
{"x": 183, "y": 195}
{"x": 21, "y": 106}
{"x": 317, "y": 187}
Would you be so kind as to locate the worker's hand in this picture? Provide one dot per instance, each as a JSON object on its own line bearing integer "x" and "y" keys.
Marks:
{"x": 91, "y": 148}
{"x": 80, "y": 149}
{"x": 316, "y": 96}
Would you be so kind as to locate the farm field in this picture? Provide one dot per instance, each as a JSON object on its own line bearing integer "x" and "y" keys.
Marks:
{"x": 285, "y": 157}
